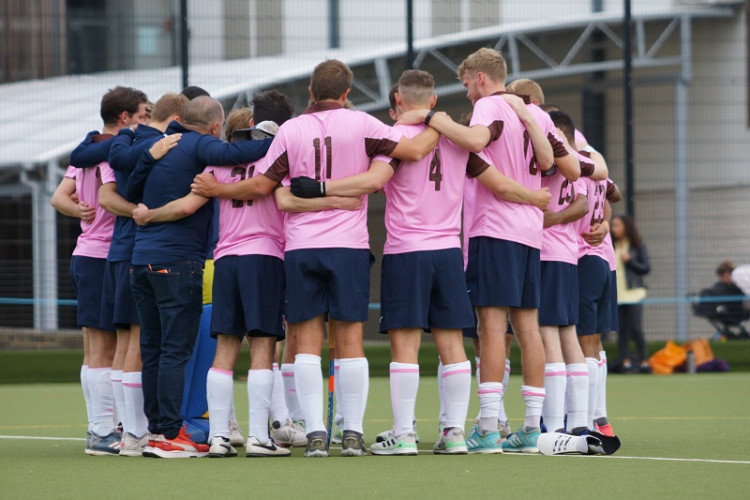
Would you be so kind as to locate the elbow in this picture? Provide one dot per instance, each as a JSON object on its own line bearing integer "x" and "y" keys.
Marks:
{"x": 476, "y": 146}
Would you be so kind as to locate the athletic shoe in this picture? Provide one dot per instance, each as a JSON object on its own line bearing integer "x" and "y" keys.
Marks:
{"x": 289, "y": 434}
{"x": 441, "y": 427}
{"x": 402, "y": 445}
{"x": 316, "y": 445}
{"x": 558, "y": 443}
{"x": 385, "y": 436}
{"x": 609, "y": 444}
{"x": 504, "y": 429}
{"x": 255, "y": 448}
{"x": 235, "y": 435}
{"x": 337, "y": 435}
{"x": 352, "y": 444}
{"x": 522, "y": 442}
{"x": 100, "y": 446}
{"x": 484, "y": 443}
{"x": 221, "y": 447}
{"x": 181, "y": 446}
{"x": 148, "y": 451}
{"x": 451, "y": 442}
{"x": 133, "y": 446}
{"x": 605, "y": 429}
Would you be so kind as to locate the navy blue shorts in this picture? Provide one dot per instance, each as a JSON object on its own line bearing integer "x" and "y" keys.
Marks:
{"x": 559, "y": 305}
{"x": 332, "y": 280}
{"x": 424, "y": 289}
{"x": 614, "y": 318}
{"x": 248, "y": 296}
{"x": 87, "y": 279}
{"x": 593, "y": 295}
{"x": 118, "y": 305}
{"x": 503, "y": 273}
{"x": 471, "y": 331}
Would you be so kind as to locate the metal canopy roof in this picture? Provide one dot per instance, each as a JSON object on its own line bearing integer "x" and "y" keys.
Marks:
{"x": 45, "y": 119}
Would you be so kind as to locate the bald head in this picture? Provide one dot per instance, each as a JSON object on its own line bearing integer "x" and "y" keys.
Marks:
{"x": 203, "y": 113}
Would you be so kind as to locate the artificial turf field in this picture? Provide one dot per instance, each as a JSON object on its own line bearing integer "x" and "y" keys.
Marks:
{"x": 684, "y": 436}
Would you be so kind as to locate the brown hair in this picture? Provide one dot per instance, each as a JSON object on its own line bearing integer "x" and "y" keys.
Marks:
{"x": 524, "y": 86}
{"x": 272, "y": 105}
{"x": 392, "y": 97}
{"x": 631, "y": 231}
{"x": 168, "y": 105}
{"x": 237, "y": 119}
{"x": 330, "y": 79}
{"x": 725, "y": 267}
{"x": 488, "y": 61}
{"x": 416, "y": 86}
{"x": 564, "y": 122}
{"x": 120, "y": 99}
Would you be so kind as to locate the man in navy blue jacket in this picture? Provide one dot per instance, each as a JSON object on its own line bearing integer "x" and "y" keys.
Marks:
{"x": 167, "y": 269}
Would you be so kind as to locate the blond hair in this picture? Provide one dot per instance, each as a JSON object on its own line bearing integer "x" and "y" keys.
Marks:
{"x": 416, "y": 86}
{"x": 524, "y": 86}
{"x": 236, "y": 120}
{"x": 488, "y": 61}
{"x": 169, "y": 104}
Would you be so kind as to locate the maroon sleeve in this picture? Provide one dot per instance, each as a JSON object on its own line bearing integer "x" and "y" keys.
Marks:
{"x": 587, "y": 168}
{"x": 558, "y": 148}
{"x": 279, "y": 168}
{"x": 610, "y": 189}
{"x": 496, "y": 130}
{"x": 375, "y": 147}
{"x": 475, "y": 166}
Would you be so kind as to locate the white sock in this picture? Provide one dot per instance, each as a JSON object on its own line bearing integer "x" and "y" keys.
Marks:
{"x": 577, "y": 395}
{"x": 441, "y": 391}
{"x": 355, "y": 386}
{"x": 533, "y": 397}
{"x": 119, "y": 414}
{"x": 457, "y": 382}
{"x": 219, "y": 392}
{"x": 86, "y": 393}
{"x": 337, "y": 417}
{"x": 600, "y": 411}
{"x": 259, "y": 391}
{"x": 477, "y": 364}
{"x": 553, "y": 410}
{"x": 102, "y": 400}
{"x": 308, "y": 379}
{"x": 279, "y": 413}
{"x": 404, "y": 386}
{"x": 290, "y": 392}
{"x": 490, "y": 395}
{"x": 132, "y": 387}
{"x": 502, "y": 416}
{"x": 593, "y": 366}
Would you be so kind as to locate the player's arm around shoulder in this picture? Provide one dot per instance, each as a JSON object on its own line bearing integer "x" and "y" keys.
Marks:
{"x": 509, "y": 189}
{"x": 65, "y": 202}
{"x": 111, "y": 201}
{"x": 368, "y": 182}
{"x": 473, "y": 139}
{"x": 206, "y": 185}
{"x": 287, "y": 202}
{"x": 172, "y": 211}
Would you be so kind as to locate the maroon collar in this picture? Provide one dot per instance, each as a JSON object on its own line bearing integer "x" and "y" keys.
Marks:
{"x": 323, "y": 106}
{"x": 101, "y": 137}
{"x": 526, "y": 98}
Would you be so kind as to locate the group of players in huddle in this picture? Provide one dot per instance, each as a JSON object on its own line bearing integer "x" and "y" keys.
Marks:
{"x": 521, "y": 185}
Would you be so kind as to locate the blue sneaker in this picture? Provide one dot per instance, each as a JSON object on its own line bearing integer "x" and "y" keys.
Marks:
{"x": 104, "y": 445}
{"x": 488, "y": 443}
{"x": 522, "y": 442}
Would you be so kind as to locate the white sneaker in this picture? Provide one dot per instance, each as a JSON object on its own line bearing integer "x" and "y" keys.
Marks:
{"x": 254, "y": 448}
{"x": 235, "y": 436}
{"x": 385, "y": 436}
{"x": 452, "y": 443}
{"x": 221, "y": 447}
{"x": 402, "y": 445}
{"x": 289, "y": 434}
{"x": 133, "y": 446}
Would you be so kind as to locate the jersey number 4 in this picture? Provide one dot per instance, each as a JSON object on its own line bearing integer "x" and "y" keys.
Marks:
{"x": 436, "y": 172}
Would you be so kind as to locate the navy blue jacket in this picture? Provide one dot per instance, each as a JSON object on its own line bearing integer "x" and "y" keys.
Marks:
{"x": 169, "y": 179}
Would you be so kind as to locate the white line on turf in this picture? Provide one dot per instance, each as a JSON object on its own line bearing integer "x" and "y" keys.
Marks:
{"x": 610, "y": 457}
{"x": 43, "y": 438}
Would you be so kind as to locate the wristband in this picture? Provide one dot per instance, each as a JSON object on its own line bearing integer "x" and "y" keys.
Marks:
{"x": 322, "y": 189}
{"x": 429, "y": 117}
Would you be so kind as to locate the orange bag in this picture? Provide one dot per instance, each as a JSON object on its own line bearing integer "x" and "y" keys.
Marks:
{"x": 665, "y": 360}
{"x": 701, "y": 349}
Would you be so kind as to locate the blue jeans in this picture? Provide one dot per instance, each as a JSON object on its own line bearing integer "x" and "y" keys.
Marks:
{"x": 169, "y": 298}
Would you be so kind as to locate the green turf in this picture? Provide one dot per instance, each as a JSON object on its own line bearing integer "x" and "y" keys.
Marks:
{"x": 701, "y": 417}
{"x": 51, "y": 366}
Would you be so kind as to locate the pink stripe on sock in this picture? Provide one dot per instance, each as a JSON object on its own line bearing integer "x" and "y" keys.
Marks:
{"x": 555, "y": 374}
{"x": 116, "y": 379}
{"x": 457, "y": 372}
{"x": 287, "y": 374}
{"x": 292, "y": 390}
{"x": 507, "y": 369}
{"x": 601, "y": 362}
{"x": 490, "y": 391}
{"x": 225, "y": 372}
{"x": 128, "y": 384}
{"x": 406, "y": 370}
{"x": 275, "y": 366}
{"x": 529, "y": 393}
{"x": 578, "y": 374}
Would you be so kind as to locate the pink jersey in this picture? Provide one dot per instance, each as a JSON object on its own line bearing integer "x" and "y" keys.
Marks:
{"x": 508, "y": 151}
{"x": 96, "y": 236}
{"x": 423, "y": 198}
{"x": 560, "y": 242}
{"x": 579, "y": 138}
{"x": 327, "y": 142}
{"x": 597, "y": 198}
{"x": 253, "y": 227}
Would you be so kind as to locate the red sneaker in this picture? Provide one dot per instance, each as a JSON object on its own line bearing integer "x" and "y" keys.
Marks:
{"x": 605, "y": 429}
{"x": 179, "y": 447}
